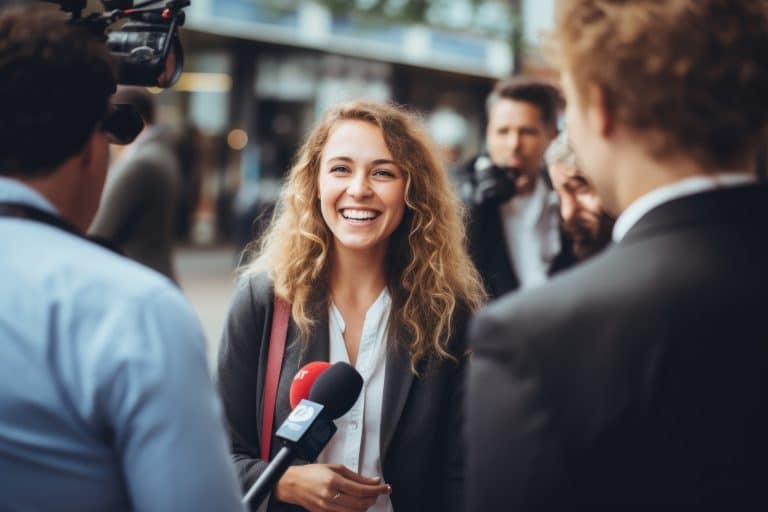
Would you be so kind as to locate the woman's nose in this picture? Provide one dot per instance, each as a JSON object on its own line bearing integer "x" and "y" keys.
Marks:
{"x": 359, "y": 186}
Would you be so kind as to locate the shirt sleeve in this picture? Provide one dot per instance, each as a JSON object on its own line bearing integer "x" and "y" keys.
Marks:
{"x": 164, "y": 413}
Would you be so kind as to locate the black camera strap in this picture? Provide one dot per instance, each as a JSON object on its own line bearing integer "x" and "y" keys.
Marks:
{"x": 25, "y": 211}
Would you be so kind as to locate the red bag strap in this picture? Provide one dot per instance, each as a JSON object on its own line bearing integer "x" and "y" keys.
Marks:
{"x": 274, "y": 362}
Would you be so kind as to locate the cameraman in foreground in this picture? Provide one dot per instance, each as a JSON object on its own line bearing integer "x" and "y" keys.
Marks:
{"x": 105, "y": 398}
{"x": 515, "y": 235}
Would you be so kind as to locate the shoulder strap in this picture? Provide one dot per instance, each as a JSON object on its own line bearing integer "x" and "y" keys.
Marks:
{"x": 25, "y": 211}
{"x": 274, "y": 362}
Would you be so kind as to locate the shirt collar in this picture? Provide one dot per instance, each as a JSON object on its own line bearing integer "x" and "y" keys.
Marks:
{"x": 14, "y": 191}
{"x": 685, "y": 187}
{"x": 536, "y": 204}
{"x": 378, "y": 306}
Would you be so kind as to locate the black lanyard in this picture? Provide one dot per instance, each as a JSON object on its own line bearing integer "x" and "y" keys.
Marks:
{"x": 24, "y": 211}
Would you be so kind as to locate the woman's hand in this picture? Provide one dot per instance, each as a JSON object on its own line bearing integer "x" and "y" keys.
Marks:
{"x": 329, "y": 488}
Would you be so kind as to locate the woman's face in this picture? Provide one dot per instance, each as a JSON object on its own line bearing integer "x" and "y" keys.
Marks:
{"x": 360, "y": 187}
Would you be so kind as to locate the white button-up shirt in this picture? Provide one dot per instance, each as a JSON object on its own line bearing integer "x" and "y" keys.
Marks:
{"x": 356, "y": 444}
{"x": 532, "y": 231}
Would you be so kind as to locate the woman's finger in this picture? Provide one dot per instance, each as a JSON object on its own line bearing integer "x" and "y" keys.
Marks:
{"x": 356, "y": 477}
{"x": 358, "y": 490}
{"x": 353, "y": 502}
{"x": 338, "y": 502}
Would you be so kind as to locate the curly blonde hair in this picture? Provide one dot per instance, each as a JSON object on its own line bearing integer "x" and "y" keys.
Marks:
{"x": 693, "y": 70}
{"x": 429, "y": 272}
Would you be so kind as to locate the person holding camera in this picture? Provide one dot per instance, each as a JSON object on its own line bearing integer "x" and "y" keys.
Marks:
{"x": 106, "y": 402}
{"x": 515, "y": 235}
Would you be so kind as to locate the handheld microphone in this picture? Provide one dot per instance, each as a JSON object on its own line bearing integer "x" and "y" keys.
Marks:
{"x": 310, "y": 425}
{"x": 302, "y": 382}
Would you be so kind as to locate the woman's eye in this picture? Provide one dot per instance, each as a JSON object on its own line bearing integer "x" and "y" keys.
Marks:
{"x": 338, "y": 169}
{"x": 384, "y": 172}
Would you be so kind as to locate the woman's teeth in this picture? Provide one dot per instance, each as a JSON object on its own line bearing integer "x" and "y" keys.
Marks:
{"x": 359, "y": 214}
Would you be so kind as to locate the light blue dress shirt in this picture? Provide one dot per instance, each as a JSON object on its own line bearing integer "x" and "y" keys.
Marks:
{"x": 105, "y": 398}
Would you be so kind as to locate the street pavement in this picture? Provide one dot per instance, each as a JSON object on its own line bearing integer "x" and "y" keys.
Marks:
{"x": 207, "y": 278}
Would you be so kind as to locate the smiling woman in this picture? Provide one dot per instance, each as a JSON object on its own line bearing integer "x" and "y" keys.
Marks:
{"x": 368, "y": 247}
{"x": 361, "y": 189}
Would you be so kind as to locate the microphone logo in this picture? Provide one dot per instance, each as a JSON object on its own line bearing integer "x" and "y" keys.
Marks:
{"x": 300, "y": 421}
{"x": 301, "y": 413}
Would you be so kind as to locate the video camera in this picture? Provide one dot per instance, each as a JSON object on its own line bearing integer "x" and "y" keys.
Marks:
{"x": 147, "y": 46}
{"x": 490, "y": 183}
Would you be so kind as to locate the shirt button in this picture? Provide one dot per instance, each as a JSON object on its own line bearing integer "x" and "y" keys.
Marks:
{"x": 353, "y": 425}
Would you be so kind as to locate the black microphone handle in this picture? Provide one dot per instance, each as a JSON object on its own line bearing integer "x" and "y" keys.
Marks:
{"x": 269, "y": 477}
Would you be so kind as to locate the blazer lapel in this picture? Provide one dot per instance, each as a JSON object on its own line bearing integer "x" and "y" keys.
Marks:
{"x": 731, "y": 205}
{"x": 397, "y": 383}
{"x": 297, "y": 354}
{"x": 489, "y": 251}
{"x": 397, "y": 380}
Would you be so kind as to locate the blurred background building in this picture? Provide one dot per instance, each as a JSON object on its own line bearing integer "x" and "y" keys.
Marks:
{"x": 259, "y": 72}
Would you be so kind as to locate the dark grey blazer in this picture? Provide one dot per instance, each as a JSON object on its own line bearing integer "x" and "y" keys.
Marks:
{"x": 637, "y": 380}
{"x": 421, "y": 453}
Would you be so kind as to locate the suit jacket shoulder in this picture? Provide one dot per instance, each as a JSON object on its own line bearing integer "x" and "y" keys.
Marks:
{"x": 650, "y": 351}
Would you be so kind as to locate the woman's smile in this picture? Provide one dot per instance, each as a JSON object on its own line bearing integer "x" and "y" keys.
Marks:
{"x": 359, "y": 215}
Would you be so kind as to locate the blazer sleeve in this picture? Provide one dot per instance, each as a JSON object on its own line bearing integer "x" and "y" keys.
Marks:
{"x": 241, "y": 368}
{"x": 452, "y": 466}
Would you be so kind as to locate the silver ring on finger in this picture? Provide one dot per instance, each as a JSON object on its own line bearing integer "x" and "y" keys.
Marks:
{"x": 336, "y": 496}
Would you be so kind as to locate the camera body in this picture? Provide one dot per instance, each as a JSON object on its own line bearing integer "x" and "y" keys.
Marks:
{"x": 146, "y": 47}
{"x": 490, "y": 183}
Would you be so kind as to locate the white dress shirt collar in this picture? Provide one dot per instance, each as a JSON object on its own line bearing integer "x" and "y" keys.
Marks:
{"x": 531, "y": 225}
{"x": 685, "y": 187}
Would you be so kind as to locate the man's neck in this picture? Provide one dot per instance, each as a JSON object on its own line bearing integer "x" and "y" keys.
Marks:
{"x": 59, "y": 189}
{"x": 637, "y": 174}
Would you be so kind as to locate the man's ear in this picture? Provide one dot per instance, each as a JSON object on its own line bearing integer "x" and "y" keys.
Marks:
{"x": 599, "y": 114}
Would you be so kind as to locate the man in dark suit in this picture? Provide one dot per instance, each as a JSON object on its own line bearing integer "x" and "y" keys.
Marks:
{"x": 639, "y": 379}
{"x": 515, "y": 235}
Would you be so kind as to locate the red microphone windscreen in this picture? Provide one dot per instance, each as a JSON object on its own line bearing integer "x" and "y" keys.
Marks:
{"x": 302, "y": 382}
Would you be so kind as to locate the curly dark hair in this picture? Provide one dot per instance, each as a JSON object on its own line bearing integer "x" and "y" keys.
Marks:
{"x": 55, "y": 84}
